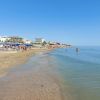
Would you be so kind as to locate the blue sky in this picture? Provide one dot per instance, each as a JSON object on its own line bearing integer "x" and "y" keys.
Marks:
{"x": 70, "y": 21}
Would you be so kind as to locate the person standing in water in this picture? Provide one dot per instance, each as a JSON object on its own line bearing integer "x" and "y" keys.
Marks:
{"x": 77, "y": 50}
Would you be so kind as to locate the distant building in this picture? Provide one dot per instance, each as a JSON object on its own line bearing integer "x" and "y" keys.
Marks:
{"x": 1, "y": 44}
{"x": 4, "y": 38}
{"x": 39, "y": 40}
{"x": 54, "y": 44}
{"x": 16, "y": 39}
{"x": 27, "y": 41}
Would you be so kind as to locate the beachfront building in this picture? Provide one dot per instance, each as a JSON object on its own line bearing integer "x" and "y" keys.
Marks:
{"x": 14, "y": 43}
{"x": 15, "y": 39}
{"x": 54, "y": 45}
{"x": 39, "y": 42}
{"x": 4, "y": 38}
{"x": 27, "y": 41}
{"x": 1, "y": 44}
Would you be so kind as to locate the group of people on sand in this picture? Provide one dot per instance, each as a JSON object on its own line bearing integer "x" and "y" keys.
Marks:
{"x": 15, "y": 48}
{"x": 23, "y": 48}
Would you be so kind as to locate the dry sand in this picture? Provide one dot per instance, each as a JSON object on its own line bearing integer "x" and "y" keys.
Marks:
{"x": 36, "y": 84}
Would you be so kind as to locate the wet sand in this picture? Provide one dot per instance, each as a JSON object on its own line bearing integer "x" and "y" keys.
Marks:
{"x": 33, "y": 80}
{"x": 9, "y": 59}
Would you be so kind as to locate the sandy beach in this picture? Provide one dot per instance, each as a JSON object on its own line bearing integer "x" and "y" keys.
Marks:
{"x": 33, "y": 83}
{"x": 9, "y": 59}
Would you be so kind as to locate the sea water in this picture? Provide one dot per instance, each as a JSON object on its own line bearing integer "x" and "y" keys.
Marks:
{"x": 80, "y": 71}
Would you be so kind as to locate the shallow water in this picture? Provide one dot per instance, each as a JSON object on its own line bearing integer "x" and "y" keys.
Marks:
{"x": 33, "y": 80}
{"x": 81, "y": 71}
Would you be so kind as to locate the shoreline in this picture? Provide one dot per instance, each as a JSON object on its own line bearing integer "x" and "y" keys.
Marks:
{"x": 38, "y": 84}
{"x": 9, "y": 59}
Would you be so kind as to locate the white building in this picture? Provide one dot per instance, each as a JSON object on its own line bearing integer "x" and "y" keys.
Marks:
{"x": 39, "y": 40}
{"x": 1, "y": 45}
{"x": 4, "y": 38}
{"x": 27, "y": 41}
